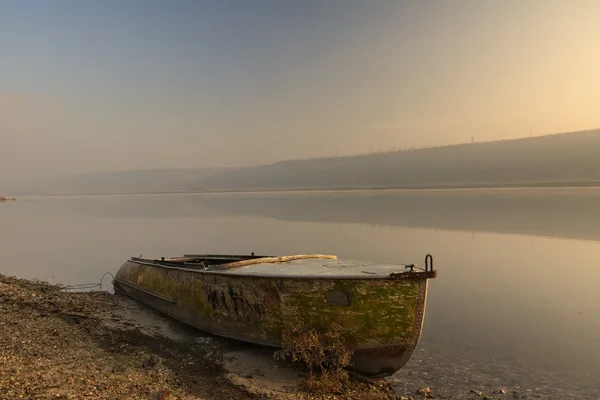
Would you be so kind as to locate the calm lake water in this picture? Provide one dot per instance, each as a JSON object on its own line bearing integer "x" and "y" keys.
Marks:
{"x": 516, "y": 304}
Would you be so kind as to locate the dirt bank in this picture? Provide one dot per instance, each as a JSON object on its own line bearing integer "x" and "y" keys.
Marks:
{"x": 56, "y": 344}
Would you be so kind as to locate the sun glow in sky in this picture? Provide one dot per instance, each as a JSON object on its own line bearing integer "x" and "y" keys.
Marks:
{"x": 91, "y": 86}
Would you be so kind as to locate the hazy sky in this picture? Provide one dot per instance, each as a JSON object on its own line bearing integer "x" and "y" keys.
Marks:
{"x": 126, "y": 84}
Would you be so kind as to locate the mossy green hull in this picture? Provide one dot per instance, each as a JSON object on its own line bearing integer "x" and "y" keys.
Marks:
{"x": 379, "y": 317}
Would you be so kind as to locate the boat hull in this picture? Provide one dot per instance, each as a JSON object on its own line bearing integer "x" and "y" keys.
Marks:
{"x": 381, "y": 318}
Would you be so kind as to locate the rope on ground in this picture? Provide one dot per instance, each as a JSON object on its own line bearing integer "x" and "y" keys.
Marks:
{"x": 89, "y": 286}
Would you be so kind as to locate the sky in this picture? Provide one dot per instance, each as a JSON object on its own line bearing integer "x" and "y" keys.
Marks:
{"x": 130, "y": 84}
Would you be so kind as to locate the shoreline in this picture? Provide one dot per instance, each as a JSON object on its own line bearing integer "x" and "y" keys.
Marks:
{"x": 399, "y": 188}
{"x": 71, "y": 345}
{"x": 528, "y": 185}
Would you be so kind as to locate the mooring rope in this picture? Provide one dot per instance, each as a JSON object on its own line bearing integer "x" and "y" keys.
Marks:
{"x": 89, "y": 286}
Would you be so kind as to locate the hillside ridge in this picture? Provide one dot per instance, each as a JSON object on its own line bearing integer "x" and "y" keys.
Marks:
{"x": 562, "y": 157}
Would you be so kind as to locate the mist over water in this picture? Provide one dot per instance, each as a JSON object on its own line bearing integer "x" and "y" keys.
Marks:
{"x": 515, "y": 303}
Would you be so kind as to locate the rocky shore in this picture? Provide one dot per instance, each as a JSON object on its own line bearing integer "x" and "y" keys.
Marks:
{"x": 57, "y": 344}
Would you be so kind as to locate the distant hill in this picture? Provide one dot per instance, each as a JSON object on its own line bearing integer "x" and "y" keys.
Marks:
{"x": 113, "y": 182}
{"x": 544, "y": 160}
{"x": 567, "y": 157}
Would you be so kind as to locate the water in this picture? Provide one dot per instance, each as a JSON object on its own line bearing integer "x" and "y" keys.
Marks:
{"x": 516, "y": 303}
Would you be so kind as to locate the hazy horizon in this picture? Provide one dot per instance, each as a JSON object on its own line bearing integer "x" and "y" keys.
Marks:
{"x": 104, "y": 86}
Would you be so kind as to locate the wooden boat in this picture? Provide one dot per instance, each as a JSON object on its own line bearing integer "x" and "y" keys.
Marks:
{"x": 379, "y": 308}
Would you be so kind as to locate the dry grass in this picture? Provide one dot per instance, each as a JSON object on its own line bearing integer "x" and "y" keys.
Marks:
{"x": 326, "y": 355}
{"x": 324, "y": 352}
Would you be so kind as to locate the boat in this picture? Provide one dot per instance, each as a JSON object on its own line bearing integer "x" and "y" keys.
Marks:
{"x": 378, "y": 308}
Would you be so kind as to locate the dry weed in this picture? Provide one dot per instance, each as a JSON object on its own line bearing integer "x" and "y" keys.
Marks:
{"x": 324, "y": 352}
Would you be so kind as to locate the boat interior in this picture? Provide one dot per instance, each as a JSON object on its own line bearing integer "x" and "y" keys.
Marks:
{"x": 305, "y": 266}
{"x": 200, "y": 261}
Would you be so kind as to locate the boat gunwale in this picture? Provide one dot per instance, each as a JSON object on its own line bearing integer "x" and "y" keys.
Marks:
{"x": 394, "y": 276}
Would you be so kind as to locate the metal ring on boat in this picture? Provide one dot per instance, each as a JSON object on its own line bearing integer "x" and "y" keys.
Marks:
{"x": 428, "y": 262}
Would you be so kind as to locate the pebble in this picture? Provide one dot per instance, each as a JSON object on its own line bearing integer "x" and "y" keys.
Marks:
{"x": 424, "y": 391}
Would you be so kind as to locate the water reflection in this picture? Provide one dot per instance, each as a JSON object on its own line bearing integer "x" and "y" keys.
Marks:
{"x": 566, "y": 213}
{"x": 507, "y": 309}
{"x": 562, "y": 213}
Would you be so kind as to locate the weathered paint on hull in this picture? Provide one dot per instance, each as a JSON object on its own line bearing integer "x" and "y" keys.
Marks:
{"x": 383, "y": 319}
